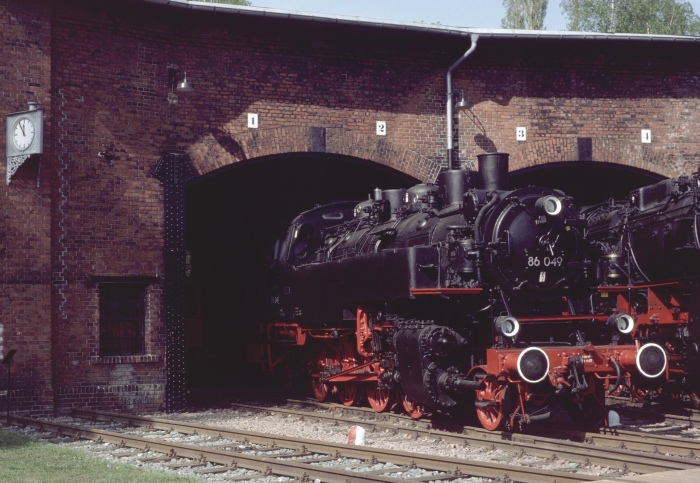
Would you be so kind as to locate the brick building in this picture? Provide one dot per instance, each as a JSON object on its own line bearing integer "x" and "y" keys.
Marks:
{"x": 101, "y": 276}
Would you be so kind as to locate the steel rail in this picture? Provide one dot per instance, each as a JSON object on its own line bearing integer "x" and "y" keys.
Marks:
{"x": 691, "y": 418}
{"x": 631, "y": 440}
{"x": 231, "y": 460}
{"x": 451, "y": 467}
{"x": 614, "y": 446}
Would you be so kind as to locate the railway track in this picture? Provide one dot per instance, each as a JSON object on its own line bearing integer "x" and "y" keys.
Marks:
{"x": 681, "y": 416}
{"x": 626, "y": 451}
{"x": 684, "y": 419}
{"x": 244, "y": 455}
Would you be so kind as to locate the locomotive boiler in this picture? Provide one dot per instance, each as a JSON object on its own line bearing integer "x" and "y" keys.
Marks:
{"x": 648, "y": 271}
{"x": 447, "y": 295}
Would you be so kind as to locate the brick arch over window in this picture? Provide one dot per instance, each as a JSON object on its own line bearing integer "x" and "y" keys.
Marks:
{"x": 635, "y": 154}
{"x": 219, "y": 149}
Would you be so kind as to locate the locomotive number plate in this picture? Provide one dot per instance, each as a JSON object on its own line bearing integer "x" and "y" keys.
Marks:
{"x": 545, "y": 261}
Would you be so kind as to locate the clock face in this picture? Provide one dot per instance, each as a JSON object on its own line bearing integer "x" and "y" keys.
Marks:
{"x": 23, "y": 133}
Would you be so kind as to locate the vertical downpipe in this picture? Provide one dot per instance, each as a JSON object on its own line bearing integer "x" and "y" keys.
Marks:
{"x": 453, "y": 163}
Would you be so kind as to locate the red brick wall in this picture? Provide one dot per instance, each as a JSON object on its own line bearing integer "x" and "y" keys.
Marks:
{"x": 108, "y": 211}
{"x": 100, "y": 70}
{"x": 302, "y": 76}
{"x": 25, "y": 211}
{"x": 563, "y": 91}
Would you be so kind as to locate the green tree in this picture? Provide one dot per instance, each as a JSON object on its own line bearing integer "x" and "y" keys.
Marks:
{"x": 665, "y": 17}
{"x": 524, "y": 14}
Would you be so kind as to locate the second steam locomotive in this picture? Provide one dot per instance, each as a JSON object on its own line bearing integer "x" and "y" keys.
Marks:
{"x": 647, "y": 252}
{"x": 454, "y": 294}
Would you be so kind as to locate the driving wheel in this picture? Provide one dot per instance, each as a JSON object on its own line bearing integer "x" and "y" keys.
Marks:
{"x": 411, "y": 407}
{"x": 493, "y": 405}
{"x": 380, "y": 399}
{"x": 349, "y": 393}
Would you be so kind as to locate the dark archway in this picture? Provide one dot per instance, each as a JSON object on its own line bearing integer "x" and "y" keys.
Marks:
{"x": 234, "y": 216}
{"x": 587, "y": 182}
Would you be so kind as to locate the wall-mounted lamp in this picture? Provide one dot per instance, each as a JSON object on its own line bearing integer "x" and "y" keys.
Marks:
{"x": 183, "y": 86}
{"x": 107, "y": 153}
{"x": 462, "y": 103}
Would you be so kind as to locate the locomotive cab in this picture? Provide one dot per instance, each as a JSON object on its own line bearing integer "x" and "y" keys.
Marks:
{"x": 305, "y": 234}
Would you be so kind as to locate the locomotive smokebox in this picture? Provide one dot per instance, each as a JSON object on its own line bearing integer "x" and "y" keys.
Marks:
{"x": 493, "y": 171}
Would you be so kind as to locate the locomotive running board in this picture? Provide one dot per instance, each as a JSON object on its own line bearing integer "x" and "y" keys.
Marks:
{"x": 625, "y": 288}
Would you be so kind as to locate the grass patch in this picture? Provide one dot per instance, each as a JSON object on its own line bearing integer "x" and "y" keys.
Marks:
{"x": 24, "y": 460}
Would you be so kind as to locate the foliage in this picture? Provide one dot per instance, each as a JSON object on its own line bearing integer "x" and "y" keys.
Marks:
{"x": 26, "y": 460}
{"x": 524, "y": 14}
{"x": 665, "y": 17}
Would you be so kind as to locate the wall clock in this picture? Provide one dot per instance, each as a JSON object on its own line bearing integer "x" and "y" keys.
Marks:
{"x": 25, "y": 137}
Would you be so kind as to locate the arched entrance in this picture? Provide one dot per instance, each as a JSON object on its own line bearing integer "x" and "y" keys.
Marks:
{"x": 234, "y": 216}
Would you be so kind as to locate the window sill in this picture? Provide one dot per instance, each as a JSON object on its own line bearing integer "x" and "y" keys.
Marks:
{"x": 137, "y": 359}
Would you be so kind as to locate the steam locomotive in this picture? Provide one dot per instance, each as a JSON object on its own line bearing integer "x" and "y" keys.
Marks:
{"x": 449, "y": 295}
{"x": 647, "y": 257}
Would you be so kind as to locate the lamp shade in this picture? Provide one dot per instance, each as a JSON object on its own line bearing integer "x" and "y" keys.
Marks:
{"x": 462, "y": 104}
{"x": 185, "y": 86}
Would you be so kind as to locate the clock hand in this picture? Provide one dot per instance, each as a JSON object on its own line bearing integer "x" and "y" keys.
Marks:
{"x": 22, "y": 128}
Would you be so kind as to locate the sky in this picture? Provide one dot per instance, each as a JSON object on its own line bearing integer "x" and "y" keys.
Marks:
{"x": 462, "y": 13}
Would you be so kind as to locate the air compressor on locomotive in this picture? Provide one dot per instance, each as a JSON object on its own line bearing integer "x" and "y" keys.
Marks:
{"x": 447, "y": 295}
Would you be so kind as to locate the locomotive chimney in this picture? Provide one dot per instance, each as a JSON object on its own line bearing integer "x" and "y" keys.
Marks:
{"x": 493, "y": 171}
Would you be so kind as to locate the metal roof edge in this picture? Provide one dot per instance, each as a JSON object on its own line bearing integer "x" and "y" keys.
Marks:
{"x": 265, "y": 12}
{"x": 565, "y": 34}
